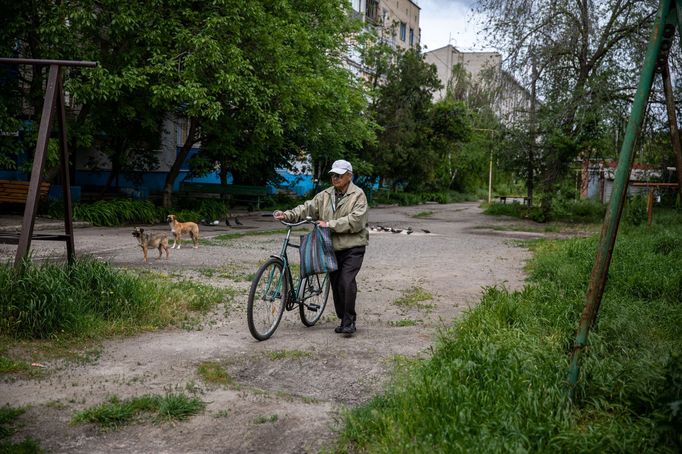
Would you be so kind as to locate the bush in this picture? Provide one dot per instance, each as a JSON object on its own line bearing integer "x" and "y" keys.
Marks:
{"x": 110, "y": 213}
{"x": 562, "y": 210}
{"x": 213, "y": 209}
{"x": 401, "y": 198}
{"x": 636, "y": 210}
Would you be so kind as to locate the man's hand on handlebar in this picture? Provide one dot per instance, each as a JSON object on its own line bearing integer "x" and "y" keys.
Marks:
{"x": 279, "y": 215}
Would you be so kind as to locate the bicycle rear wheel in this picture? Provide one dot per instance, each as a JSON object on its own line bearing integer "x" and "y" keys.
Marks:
{"x": 267, "y": 297}
{"x": 314, "y": 298}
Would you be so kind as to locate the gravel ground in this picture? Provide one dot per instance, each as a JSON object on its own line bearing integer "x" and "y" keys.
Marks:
{"x": 287, "y": 405}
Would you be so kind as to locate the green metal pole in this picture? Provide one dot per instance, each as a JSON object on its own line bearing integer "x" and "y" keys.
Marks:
{"x": 614, "y": 210}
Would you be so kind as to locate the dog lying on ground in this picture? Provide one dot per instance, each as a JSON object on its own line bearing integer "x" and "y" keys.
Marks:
{"x": 180, "y": 228}
{"x": 151, "y": 240}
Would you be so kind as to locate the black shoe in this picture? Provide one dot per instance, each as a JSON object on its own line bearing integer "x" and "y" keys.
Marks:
{"x": 338, "y": 329}
{"x": 350, "y": 329}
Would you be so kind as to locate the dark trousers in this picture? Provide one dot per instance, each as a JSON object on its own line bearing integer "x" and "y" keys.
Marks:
{"x": 344, "y": 287}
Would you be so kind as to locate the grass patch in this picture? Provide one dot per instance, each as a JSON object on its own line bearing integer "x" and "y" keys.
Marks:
{"x": 9, "y": 366}
{"x": 266, "y": 419}
{"x": 91, "y": 299}
{"x": 423, "y": 214}
{"x": 8, "y": 420}
{"x": 8, "y": 416}
{"x": 115, "y": 412}
{"x": 570, "y": 211}
{"x": 288, "y": 354}
{"x": 402, "y": 323}
{"x": 230, "y": 271}
{"x": 214, "y": 373}
{"x": 412, "y": 299}
{"x": 497, "y": 378}
{"x": 232, "y": 236}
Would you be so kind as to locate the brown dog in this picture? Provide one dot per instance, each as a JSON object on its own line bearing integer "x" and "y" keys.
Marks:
{"x": 151, "y": 240}
{"x": 180, "y": 228}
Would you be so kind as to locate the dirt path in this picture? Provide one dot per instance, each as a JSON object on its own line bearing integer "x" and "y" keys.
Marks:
{"x": 287, "y": 405}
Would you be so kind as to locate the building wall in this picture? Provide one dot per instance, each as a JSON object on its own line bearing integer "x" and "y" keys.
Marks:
{"x": 510, "y": 102}
{"x": 397, "y": 21}
{"x": 446, "y": 58}
{"x": 397, "y": 14}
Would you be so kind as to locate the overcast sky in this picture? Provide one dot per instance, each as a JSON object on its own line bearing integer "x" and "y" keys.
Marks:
{"x": 453, "y": 20}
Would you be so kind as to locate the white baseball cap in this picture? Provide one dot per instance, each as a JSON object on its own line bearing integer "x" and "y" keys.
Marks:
{"x": 341, "y": 167}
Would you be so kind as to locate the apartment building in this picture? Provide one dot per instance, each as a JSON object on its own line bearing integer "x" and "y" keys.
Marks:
{"x": 396, "y": 23}
{"x": 511, "y": 99}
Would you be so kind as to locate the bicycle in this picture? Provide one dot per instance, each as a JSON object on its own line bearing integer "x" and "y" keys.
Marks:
{"x": 273, "y": 290}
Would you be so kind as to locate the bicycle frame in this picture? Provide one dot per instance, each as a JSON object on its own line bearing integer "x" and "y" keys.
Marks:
{"x": 294, "y": 296}
{"x": 268, "y": 300}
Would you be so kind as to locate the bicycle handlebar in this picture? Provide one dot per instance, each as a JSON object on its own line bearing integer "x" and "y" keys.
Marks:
{"x": 308, "y": 220}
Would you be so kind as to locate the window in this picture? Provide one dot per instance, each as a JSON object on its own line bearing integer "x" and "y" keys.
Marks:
{"x": 411, "y": 37}
{"x": 403, "y": 29}
{"x": 372, "y": 10}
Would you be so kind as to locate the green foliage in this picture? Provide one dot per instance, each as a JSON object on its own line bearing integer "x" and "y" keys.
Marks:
{"x": 408, "y": 198}
{"x": 212, "y": 209}
{"x": 90, "y": 298}
{"x": 573, "y": 211}
{"x": 413, "y": 298}
{"x": 583, "y": 210}
{"x": 115, "y": 412}
{"x": 497, "y": 379}
{"x": 111, "y": 213}
{"x": 517, "y": 210}
{"x": 8, "y": 417}
{"x": 402, "y": 108}
{"x": 635, "y": 212}
{"x": 214, "y": 373}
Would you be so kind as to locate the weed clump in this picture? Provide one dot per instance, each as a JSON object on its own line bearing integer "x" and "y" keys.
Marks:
{"x": 89, "y": 297}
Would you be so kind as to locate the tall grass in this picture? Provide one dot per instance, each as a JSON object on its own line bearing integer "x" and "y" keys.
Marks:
{"x": 118, "y": 212}
{"x": 89, "y": 297}
{"x": 497, "y": 379}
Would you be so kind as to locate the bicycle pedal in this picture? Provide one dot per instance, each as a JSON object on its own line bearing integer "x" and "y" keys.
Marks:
{"x": 313, "y": 307}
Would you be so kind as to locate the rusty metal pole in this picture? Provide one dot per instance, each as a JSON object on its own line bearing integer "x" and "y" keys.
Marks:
{"x": 614, "y": 210}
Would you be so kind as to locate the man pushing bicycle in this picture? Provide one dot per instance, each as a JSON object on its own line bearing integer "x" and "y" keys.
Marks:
{"x": 343, "y": 209}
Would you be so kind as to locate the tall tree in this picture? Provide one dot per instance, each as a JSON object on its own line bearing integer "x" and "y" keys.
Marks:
{"x": 402, "y": 111}
{"x": 253, "y": 68}
{"x": 584, "y": 51}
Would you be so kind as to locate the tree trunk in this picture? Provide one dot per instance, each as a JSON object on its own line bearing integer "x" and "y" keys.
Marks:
{"x": 530, "y": 174}
{"x": 672, "y": 121}
{"x": 179, "y": 159}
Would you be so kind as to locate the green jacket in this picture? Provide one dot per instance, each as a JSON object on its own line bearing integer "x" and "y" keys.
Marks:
{"x": 348, "y": 222}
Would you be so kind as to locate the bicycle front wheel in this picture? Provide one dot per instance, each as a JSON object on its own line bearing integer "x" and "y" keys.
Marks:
{"x": 314, "y": 298}
{"x": 267, "y": 298}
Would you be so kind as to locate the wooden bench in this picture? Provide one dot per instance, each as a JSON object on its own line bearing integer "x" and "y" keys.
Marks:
{"x": 12, "y": 191}
{"x": 233, "y": 192}
{"x": 512, "y": 199}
